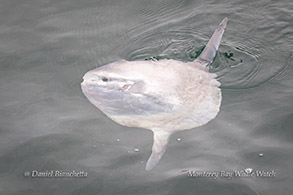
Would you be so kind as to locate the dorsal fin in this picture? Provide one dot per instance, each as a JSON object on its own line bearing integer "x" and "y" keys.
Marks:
{"x": 209, "y": 52}
{"x": 161, "y": 139}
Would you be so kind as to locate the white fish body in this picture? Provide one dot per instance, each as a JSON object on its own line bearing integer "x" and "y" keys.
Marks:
{"x": 164, "y": 96}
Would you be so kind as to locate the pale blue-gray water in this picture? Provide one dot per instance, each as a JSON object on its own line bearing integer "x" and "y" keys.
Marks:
{"x": 46, "y": 123}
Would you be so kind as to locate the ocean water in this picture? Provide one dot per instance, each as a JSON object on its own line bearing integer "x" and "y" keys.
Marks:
{"x": 47, "y": 125}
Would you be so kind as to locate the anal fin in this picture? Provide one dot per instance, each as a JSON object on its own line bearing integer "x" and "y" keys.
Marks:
{"x": 161, "y": 139}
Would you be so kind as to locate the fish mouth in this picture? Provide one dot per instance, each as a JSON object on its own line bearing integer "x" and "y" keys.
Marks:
{"x": 82, "y": 83}
{"x": 86, "y": 78}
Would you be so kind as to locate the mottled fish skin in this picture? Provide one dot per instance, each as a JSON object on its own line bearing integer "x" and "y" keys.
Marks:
{"x": 164, "y": 96}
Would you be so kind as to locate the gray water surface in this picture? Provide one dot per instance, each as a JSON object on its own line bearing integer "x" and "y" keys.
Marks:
{"x": 46, "y": 123}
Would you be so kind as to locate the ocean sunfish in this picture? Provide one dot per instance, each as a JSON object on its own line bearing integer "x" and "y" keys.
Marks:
{"x": 164, "y": 96}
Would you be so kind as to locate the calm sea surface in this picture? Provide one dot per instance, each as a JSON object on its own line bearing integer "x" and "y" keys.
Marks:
{"x": 48, "y": 126}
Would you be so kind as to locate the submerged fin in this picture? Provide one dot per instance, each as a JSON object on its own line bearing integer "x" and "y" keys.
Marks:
{"x": 161, "y": 139}
{"x": 212, "y": 46}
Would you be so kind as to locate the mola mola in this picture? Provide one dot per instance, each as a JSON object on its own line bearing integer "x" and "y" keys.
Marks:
{"x": 164, "y": 96}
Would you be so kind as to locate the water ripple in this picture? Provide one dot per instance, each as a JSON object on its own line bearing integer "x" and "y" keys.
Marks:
{"x": 245, "y": 63}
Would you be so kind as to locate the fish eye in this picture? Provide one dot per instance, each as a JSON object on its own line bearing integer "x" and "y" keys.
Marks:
{"x": 104, "y": 79}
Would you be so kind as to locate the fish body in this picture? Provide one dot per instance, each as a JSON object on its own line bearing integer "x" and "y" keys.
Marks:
{"x": 164, "y": 96}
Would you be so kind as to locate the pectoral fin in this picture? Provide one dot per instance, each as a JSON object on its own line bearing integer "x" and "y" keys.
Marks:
{"x": 136, "y": 88}
{"x": 161, "y": 139}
